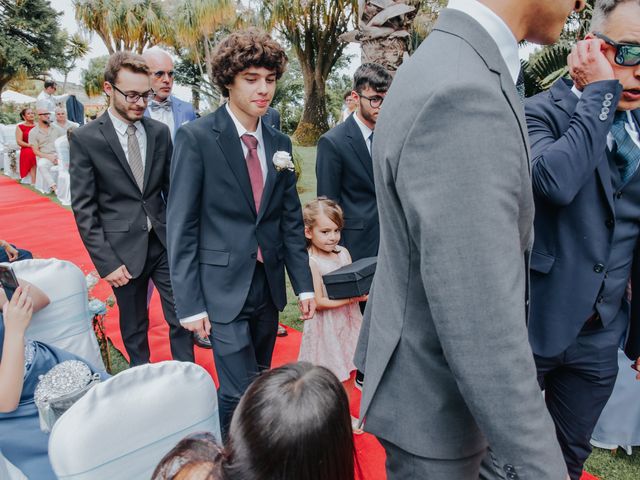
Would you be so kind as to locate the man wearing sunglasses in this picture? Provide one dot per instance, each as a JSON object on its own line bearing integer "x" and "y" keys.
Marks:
{"x": 164, "y": 106}
{"x": 119, "y": 172}
{"x": 586, "y": 150}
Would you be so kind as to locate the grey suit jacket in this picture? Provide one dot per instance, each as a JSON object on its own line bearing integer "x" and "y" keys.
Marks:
{"x": 449, "y": 367}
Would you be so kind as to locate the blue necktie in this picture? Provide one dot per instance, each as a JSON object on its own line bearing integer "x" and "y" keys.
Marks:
{"x": 627, "y": 152}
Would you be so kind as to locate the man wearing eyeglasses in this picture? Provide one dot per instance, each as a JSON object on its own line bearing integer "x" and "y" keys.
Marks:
{"x": 164, "y": 106}
{"x": 119, "y": 172}
{"x": 585, "y": 154}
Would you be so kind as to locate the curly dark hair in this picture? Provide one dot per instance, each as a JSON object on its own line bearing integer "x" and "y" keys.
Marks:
{"x": 241, "y": 50}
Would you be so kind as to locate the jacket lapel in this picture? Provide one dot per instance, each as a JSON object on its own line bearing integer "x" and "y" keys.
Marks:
{"x": 359, "y": 145}
{"x": 151, "y": 146}
{"x": 110, "y": 135}
{"x": 270, "y": 148}
{"x": 229, "y": 143}
{"x": 175, "y": 111}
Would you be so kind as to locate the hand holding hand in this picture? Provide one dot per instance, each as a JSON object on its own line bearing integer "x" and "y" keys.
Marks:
{"x": 307, "y": 308}
{"x": 202, "y": 327}
{"x": 18, "y": 312}
{"x": 119, "y": 277}
{"x": 588, "y": 64}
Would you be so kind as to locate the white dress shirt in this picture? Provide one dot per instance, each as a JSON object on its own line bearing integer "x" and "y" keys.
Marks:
{"x": 50, "y": 102}
{"x": 366, "y": 131}
{"x": 496, "y": 28}
{"x": 262, "y": 156}
{"x": 630, "y": 125}
{"x": 164, "y": 116}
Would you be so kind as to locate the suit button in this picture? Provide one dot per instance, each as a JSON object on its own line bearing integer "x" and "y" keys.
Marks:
{"x": 606, "y": 103}
{"x": 608, "y": 96}
{"x": 618, "y": 194}
{"x": 605, "y": 110}
{"x": 603, "y": 117}
{"x": 598, "y": 268}
{"x": 509, "y": 468}
{"x": 600, "y": 299}
{"x": 609, "y": 223}
{"x": 254, "y": 255}
{"x": 144, "y": 227}
{"x": 144, "y": 203}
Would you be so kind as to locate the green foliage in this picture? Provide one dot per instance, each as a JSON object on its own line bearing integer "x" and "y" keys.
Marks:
{"x": 93, "y": 76}
{"x": 289, "y": 96}
{"x": 31, "y": 41}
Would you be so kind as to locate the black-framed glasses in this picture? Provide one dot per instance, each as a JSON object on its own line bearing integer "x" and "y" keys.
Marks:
{"x": 374, "y": 101}
{"x": 134, "y": 97}
{"x": 627, "y": 54}
{"x": 161, "y": 73}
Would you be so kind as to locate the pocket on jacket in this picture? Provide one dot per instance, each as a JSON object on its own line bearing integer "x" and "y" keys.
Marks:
{"x": 353, "y": 224}
{"x": 115, "y": 226}
{"x": 214, "y": 257}
{"x": 541, "y": 262}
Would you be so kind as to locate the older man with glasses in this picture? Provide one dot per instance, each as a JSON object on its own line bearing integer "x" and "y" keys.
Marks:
{"x": 585, "y": 146}
{"x": 164, "y": 106}
{"x": 119, "y": 184}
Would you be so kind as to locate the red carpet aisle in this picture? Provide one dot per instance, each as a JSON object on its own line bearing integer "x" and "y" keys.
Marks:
{"x": 48, "y": 230}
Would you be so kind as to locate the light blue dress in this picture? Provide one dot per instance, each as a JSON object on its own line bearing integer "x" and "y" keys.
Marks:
{"x": 21, "y": 440}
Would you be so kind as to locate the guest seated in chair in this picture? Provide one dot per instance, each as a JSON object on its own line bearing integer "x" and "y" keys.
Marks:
{"x": 22, "y": 362}
{"x": 9, "y": 252}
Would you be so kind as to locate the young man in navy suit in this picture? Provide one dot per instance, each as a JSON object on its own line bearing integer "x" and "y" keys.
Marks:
{"x": 586, "y": 149}
{"x": 234, "y": 219}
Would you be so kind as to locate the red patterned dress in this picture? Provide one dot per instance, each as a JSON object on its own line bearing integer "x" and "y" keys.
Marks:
{"x": 27, "y": 157}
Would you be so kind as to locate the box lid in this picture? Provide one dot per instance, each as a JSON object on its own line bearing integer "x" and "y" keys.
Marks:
{"x": 357, "y": 270}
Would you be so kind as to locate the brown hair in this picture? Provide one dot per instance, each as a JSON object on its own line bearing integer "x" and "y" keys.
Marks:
{"x": 196, "y": 456}
{"x": 322, "y": 206}
{"x": 241, "y": 50}
{"x": 127, "y": 60}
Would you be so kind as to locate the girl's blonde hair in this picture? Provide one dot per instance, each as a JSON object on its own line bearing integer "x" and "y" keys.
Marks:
{"x": 322, "y": 205}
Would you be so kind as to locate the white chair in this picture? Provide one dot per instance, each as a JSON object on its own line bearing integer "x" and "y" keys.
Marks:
{"x": 8, "y": 141}
{"x": 66, "y": 322}
{"x": 63, "y": 190}
{"x": 8, "y": 471}
{"x": 123, "y": 427}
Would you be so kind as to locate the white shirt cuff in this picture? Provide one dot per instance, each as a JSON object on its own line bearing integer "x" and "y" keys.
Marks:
{"x": 306, "y": 296}
{"x": 193, "y": 318}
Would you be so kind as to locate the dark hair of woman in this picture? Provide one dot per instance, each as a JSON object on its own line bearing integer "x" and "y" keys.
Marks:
{"x": 195, "y": 457}
{"x": 23, "y": 112}
{"x": 292, "y": 423}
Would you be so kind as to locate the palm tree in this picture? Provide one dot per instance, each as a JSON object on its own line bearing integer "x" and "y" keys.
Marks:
{"x": 76, "y": 48}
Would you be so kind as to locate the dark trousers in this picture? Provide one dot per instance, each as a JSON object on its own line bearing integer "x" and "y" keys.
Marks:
{"x": 22, "y": 255}
{"x": 244, "y": 347}
{"x": 134, "y": 313}
{"x": 577, "y": 384}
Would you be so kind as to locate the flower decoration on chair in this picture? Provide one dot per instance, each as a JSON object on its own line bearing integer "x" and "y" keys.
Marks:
{"x": 98, "y": 310}
{"x": 13, "y": 161}
{"x": 282, "y": 161}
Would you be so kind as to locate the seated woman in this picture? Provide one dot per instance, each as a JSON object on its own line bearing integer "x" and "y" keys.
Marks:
{"x": 22, "y": 361}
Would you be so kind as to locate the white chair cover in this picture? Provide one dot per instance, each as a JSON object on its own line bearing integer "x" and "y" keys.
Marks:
{"x": 122, "y": 427}
{"x": 8, "y": 471}
{"x": 63, "y": 190}
{"x": 66, "y": 322}
{"x": 8, "y": 141}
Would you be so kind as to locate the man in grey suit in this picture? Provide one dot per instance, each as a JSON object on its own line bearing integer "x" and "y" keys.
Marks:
{"x": 450, "y": 370}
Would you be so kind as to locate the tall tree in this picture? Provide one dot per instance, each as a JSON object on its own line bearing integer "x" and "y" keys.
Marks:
{"x": 124, "y": 24}
{"x": 31, "y": 41}
{"x": 76, "y": 48}
{"x": 93, "y": 76}
{"x": 312, "y": 28}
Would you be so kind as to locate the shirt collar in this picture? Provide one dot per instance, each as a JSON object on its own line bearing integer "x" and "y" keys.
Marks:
{"x": 366, "y": 131}
{"x": 240, "y": 128}
{"x": 496, "y": 28}
{"x": 120, "y": 126}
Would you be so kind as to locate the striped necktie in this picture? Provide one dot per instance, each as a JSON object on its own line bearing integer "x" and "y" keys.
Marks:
{"x": 627, "y": 152}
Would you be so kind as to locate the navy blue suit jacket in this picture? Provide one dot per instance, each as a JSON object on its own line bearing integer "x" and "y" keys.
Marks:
{"x": 213, "y": 229}
{"x": 344, "y": 172}
{"x": 574, "y": 209}
{"x": 183, "y": 112}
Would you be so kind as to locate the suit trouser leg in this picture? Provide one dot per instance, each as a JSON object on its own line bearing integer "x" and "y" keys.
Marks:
{"x": 402, "y": 465}
{"x": 577, "y": 385}
{"x": 180, "y": 338}
{"x": 243, "y": 348}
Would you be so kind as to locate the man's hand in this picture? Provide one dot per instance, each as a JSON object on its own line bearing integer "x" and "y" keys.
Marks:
{"x": 307, "y": 308}
{"x": 119, "y": 277}
{"x": 588, "y": 64}
{"x": 202, "y": 327}
{"x": 636, "y": 366}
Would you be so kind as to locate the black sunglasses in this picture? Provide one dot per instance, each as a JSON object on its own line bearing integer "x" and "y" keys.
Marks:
{"x": 627, "y": 54}
{"x": 134, "y": 97}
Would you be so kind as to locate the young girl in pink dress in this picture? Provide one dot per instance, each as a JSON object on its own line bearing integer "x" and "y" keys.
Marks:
{"x": 330, "y": 337}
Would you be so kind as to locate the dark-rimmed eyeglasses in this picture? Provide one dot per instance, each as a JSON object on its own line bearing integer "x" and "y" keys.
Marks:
{"x": 374, "y": 101}
{"x": 627, "y": 54}
{"x": 161, "y": 73}
{"x": 134, "y": 97}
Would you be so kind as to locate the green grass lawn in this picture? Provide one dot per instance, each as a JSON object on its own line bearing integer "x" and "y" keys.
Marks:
{"x": 602, "y": 463}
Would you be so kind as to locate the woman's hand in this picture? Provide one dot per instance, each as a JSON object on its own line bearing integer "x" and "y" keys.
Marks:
{"x": 18, "y": 312}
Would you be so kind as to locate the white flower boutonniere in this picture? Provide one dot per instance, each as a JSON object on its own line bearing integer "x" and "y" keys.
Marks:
{"x": 282, "y": 161}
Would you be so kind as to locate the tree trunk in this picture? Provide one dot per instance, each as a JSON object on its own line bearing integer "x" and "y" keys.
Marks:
{"x": 313, "y": 122}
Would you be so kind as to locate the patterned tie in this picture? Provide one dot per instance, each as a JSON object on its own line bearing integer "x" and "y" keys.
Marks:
{"x": 165, "y": 105}
{"x": 134, "y": 157}
{"x": 520, "y": 85}
{"x": 255, "y": 173}
{"x": 627, "y": 152}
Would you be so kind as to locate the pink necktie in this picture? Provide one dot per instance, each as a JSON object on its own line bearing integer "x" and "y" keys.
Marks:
{"x": 255, "y": 173}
